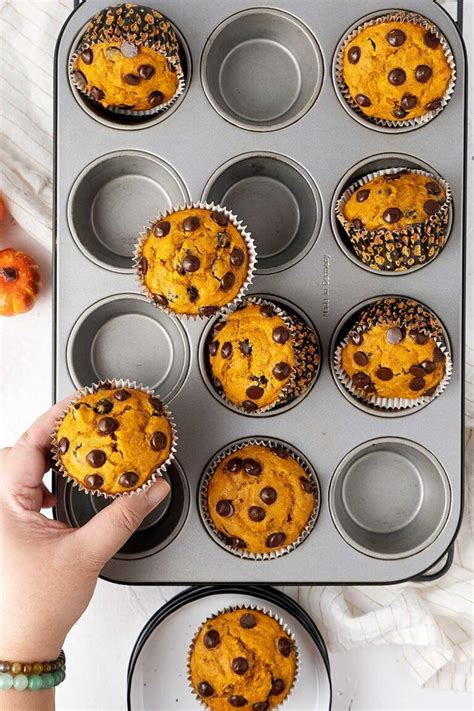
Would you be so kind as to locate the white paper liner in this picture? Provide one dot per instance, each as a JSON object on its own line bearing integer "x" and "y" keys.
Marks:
{"x": 234, "y": 220}
{"x": 114, "y": 384}
{"x": 246, "y": 608}
{"x": 219, "y": 536}
{"x": 399, "y": 16}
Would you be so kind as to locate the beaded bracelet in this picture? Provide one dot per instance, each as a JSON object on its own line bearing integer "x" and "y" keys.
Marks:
{"x": 32, "y": 676}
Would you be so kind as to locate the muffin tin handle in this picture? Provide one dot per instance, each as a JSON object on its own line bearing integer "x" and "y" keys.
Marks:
{"x": 430, "y": 577}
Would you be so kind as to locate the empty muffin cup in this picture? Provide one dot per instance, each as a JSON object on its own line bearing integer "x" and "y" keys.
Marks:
{"x": 389, "y": 498}
{"x": 113, "y": 198}
{"x": 262, "y": 69}
{"x": 280, "y": 201}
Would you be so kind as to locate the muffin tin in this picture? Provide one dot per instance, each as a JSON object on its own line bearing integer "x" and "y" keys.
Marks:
{"x": 261, "y": 129}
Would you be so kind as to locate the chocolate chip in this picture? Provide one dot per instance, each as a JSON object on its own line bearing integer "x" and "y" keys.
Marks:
{"x": 394, "y": 335}
{"x": 143, "y": 265}
{"x": 227, "y": 281}
{"x": 353, "y": 54}
{"x": 213, "y": 347}
{"x": 420, "y": 338}
{"x": 438, "y": 355}
{"x": 191, "y": 223}
{"x": 417, "y": 384}
{"x": 278, "y": 687}
{"x": 433, "y": 105}
{"x": 395, "y": 38}
{"x": 357, "y": 339}
{"x": 261, "y": 706}
{"x": 274, "y": 540}
{"x": 357, "y": 223}
{"x": 160, "y": 299}
{"x": 431, "y": 207}
{"x": 97, "y": 93}
{"x": 122, "y": 395}
{"x": 87, "y": 56}
{"x": 285, "y": 646}
{"x": 223, "y": 240}
{"x": 362, "y": 195}
{"x": 268, "y": 495}
{"x": 363, "y": 100}
{"x": 384, "y": 374}
{"x": 162, "y": 228}
{"x": 207, "y": 311}
{"x": 428, "y": 366}
{"x": 220, "y": 219}
{"x": 237, "y": 701}
{"x": 392, "y": 214}
{"x": 237, "y": 257}
{"x": 205, "y": 689}
{"x": 234, "y": 465}
{"x": 417, "y": 371}
{"x": 155, "y": 98}
{"x": 129, "y": 49}
{"x": 103, "y": 407}
{"x": 146, "y": 71}
{"x": 397, "y": 76}
{"x": 79, "y": 79}
{"x": 249, "y": 406}
{"x": 423, "y": 73}
{"x": 236, "y": 542}
{"x": 191, "y": 263}
{"x": 361, "y": 358}
{"x": 369, "y": 388}
{"x": 254, "y": 392}
{"x": 360, "y": 379}
{"x": 63, "y": 445}
{"x": 399, "y": 113}
{"x": 156, "y": 404}
{"x": 211, "y": 639}
{"x": 224, "y": 508}
{"x": 128, "y": 480}
{"x": 93, "y": 481}
{"x": 267, "y": 310}
{"x": 306, "y": 485}
{"x": 433, "y": 188}
{"x": 248, "y": 621}
{"x": 226, "y": 350}
{"x": 131, "y": 79}
{"x": 158, "y": 441}
{"x": 430, "y": 39}
{"x": 193, "y": 293}
{"x": 256, "y": 513}
{"x": 251, "y": 467}
{"x": 408, "y": 102}
{"x": 281, "y": 334}
{"x": 245, "y": 347}
{"x": 96, "y": 458}
{"x": 240, "y": 665}
{"x": 430, "y": 392}
{"x": 281, "y": 371}
{"x": 107, "y": 425}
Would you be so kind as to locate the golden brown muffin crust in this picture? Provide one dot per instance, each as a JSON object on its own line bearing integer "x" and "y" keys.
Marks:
{"x": 241, "y": 659}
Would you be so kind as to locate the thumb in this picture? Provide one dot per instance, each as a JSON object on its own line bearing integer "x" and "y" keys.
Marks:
{"x": 110, "y": 529}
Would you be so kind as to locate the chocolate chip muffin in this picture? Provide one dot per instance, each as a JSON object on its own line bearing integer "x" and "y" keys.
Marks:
{"x": 243, "y": 658}
{"x": 397, "y": 68}
{"x": 259, "y": 499}
{"x": 261, "y": 357}
{"x": 114, "y": 439}
{"x": 395, "y": 349}
{"x": 195, "y": 261}
{"x": 128, "y": 60}
{"x": 396, "y": 219}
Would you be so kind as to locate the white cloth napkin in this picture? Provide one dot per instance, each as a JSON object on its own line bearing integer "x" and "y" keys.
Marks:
{"x": 431, "y": 622}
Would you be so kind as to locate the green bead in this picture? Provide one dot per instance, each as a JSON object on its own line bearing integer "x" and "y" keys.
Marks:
{"x": 48, "y": 681}
{"x": 62, "y": 675}
{"x": 6, "y": 681}
{"x": 57, "y": 678}
{"x": 20, "y": 682}
{"x": 35, "y": 682}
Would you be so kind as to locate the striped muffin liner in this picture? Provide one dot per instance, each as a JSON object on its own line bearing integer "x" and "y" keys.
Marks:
{"x": 399, "y": 16}
{"x": 392, "y": 403}
{"x": 95, "y": 387}
{"x": 212, "y": 207}
{"x": 245, "y": 608}
{"x": 220, "y": 537}
{"x": 429, "y": 234}
{"x": 301, "y": 378}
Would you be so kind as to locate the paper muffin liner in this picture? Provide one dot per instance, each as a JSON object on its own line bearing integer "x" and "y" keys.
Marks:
{"x": 396, "y": 16}
{"x": 307, "y": 358}
{"x": 234, "y": 220}
{"x": 245, "y": 608}
{"x": 397, "y": 244}
{"x": 430, "y": 326}
{"x": 105, "y": 27}
{"x": 219, "y": 536}
{"x": 95, "y": 387}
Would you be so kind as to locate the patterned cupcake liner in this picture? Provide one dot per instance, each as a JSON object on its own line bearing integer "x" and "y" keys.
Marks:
{"x": 246, "y": 608}
{"x": 88, "y": 390}
{"x": 105, "y": 27}
{"x": 405, "y": 248}
{"x": 429, "y": 325}
{"x": 221, "y": 538}
{"x": 307, "y": 359}
{"x": 399, "y": 16}
{"x": 234, "y": 220}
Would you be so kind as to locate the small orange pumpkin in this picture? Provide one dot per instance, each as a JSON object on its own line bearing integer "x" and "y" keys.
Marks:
{"x": 19, "y": 282}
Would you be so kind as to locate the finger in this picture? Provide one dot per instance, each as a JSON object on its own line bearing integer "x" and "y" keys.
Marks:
{"x": 107, "y": 532}
{"x": 49, "y": 500}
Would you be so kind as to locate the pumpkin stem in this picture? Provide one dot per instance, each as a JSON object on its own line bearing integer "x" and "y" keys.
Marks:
{"x": 9, "y": 274}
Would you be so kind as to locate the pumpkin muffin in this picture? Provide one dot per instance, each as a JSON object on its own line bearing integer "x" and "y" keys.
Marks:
{"x": 393, "y": 351}
{"x": 396, "y": 68}
{"x": 114, "y": 440}
{"x": 260, "y": 499}
{"x": 128, "y": 59}
{"x": 261, "y": 357}
{"x": 396, "y": 219}
{"x": 242, "y": 658}
{"x": 194, "y": 261}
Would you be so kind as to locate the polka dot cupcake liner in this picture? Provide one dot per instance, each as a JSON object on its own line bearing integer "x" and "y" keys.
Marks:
{"x": 95, "y": 387}
{"x": 246, "y": 608}
{"x": 234, "y": 220}
{"x": 307, "y": 358}
{"x": 400, "y": 16}
{"x": 402, "y": 249}
{"x": 394, "y": 403}
{"x": 218, "y": 536}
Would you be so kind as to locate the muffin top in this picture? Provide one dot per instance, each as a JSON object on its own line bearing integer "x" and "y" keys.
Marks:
{"x": 194, "y": 261}
{"x": 242, "y": 659}
{"x": 251, "y": 355}
{"x": 395, "y": 200}
{"x": 260, "y": 498}
{"x": 114, "y": 439}
{"x": 396, "y": 70}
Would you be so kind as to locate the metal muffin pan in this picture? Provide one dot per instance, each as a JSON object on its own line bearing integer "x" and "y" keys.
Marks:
{"x": 103, "y": 325}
